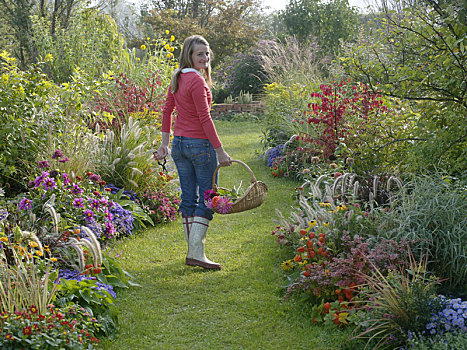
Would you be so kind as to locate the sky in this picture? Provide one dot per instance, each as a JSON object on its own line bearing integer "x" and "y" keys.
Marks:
{"x": 280, "y": 4}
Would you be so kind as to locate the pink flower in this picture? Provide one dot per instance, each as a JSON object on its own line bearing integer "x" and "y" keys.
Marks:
{"x": 224, "y": 206}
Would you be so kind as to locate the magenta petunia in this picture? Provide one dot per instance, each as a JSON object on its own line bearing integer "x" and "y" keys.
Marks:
{"x": 64, "y": 160}
{"x": 78, "y": 202}
{"x": 88, "y": 215}
{"x": 43, "y": 164}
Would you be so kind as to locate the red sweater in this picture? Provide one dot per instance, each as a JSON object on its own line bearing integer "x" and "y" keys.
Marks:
{"x": 193, "y": 102}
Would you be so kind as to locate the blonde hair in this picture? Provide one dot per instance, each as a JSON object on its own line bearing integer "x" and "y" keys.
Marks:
{"x": 186, "y": 61}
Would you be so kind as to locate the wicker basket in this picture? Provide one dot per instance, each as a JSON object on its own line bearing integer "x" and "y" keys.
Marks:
{"x": 253, "y": 197}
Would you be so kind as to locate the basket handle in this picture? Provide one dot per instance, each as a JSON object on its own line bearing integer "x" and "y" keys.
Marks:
{"x": 214, "y": 186}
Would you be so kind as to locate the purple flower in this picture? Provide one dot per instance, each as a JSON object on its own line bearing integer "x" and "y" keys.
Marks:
{"x": 94, "y": 204}
{"x": 25, "y": 204}
{"x": 76, "y": 189}
{"x": 88, "y": 215}
{"x": 209, "y": 194}
{"x": 103, "y": 202}
{"x": 109, "y": 230}
{"x": 66, "y": 179}
{"x": 40, "y": 178}
{"x": 49, "y": 183}
{"x": 57, "y": 154}
{"x": 43, "y": 164}
{"x": 95, "y": 178}
{"x": 63, "y": 160}
{"x": 78, "y": 202}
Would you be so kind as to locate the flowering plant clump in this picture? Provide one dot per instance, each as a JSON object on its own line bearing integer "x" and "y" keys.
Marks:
{"x": 161, "y": 200}
{"x": 70, "y": 327}
{"x": 452, "y": 318}
{"x": 82, "y": 201}
{"x": 220, "y": 201}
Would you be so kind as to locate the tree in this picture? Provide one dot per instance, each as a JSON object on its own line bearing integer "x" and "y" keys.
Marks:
{"x": 225, "y": 24}
{"x": 329, "y": 22}
{"x": 18, "y": 18}
{"x": 419, "y": 54}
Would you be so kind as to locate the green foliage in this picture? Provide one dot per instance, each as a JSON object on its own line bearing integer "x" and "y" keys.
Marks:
{"x": 329, "y": 22}
{"x": 457, "y": 340}
{"x": 225, "y": 25}
{"x": 67, "y": 48}
{"x": 28, "y": 118}
{"x": 432, "y": 210}
{"x": 419, "y": 55}
{"x": 397, "y": 304}
{"x": 243, "y": 73}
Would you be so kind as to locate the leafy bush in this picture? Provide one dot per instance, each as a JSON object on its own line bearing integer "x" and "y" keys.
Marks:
{"x": 66, "y": 49}
{"x": 28, "y": 121}
{"x": 432, "y": 211}
{"x": 454, "y": 340}
{"x": 244, "y": 74}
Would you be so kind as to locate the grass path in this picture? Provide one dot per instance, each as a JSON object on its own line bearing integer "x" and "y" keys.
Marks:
{"x": 239, "y": 307}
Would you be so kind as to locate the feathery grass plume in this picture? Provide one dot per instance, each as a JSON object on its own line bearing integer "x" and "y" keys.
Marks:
{"x": 95, "y": 243}
{"x": 336, "y": 184}
{"x": 29, "y": 235}
{"x": 375, "y": 184}
{"x": 74, "y": 243}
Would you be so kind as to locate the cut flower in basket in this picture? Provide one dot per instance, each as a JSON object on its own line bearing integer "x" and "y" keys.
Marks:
{"x": 221, "y": 200}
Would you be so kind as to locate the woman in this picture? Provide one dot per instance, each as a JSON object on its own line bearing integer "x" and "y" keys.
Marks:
{"x": 196, "y": 148}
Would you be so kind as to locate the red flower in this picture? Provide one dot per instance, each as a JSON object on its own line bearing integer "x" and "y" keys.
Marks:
{"x": 89, "y": 173}
{"x": 33, "y": 309}
{"x": 303, "y": 232}
{"x": 311, "y": 254}
{"x": 307, "y": 273}
{"x": 27, "y": 330}
{"x": 309, "y": 244}
{"x": 297, "y": 258}
{"x": 108, "y": 189}
{"x": 9, "y": 336}
{"x": 301, "y": 249}
{"x": 327, "y": 307}
{"x": 79, "y": 178}
{"x": 97, "y": 271}
{"x": 311, "y": 235}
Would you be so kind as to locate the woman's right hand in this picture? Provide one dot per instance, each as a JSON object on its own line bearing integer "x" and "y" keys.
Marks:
{"x": 222, "y": 157}
{"x": 161, "y": 152}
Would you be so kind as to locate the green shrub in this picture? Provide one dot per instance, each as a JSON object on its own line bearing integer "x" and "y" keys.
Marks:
{"x": 29, "y": 120}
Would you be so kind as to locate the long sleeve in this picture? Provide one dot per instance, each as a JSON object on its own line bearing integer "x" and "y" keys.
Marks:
{"x": 167, "y": 112}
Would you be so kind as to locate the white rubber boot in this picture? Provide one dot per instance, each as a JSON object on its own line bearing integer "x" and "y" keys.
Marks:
{"x": 197, "y": 238}
{"x": 187, "y": 221}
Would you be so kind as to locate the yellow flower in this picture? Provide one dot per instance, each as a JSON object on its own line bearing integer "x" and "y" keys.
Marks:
{"x": 143, "y": 47}
{"x": 3, "y": 239}
{"x": 53, "y": 259}
{"x": 287, "y": 265}
{"x": 312, "y": 223}
{"x": 172, "y": 49}
{"x": 176, "y": 65}
{"x": 169, "y": 55}
{"x": 167, "y": 46}
{"x": 39, "y": 253}
{"x": 167, "y": 32}
{"x": 33, "y": 244}
{"x": 138, "y": 59}
{"x": 148, "y": 39}
{"x": 163, "y": 43}
{"x": 172, "y": 38}
{"x": 325, "y": 224}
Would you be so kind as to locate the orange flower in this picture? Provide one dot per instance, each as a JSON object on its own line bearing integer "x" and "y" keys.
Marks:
{"x": 297, "y": 258}
{"x": 327, "y": 307}
{"x": 306, "y": 273}
{"x": 215, "y": 201}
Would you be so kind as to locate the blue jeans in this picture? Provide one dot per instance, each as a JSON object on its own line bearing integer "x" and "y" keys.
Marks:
{"x": 196, "y": 161}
